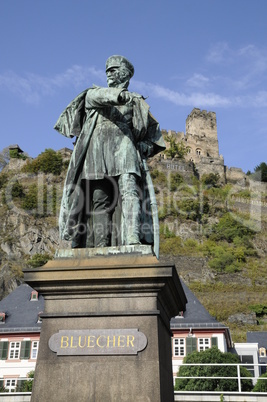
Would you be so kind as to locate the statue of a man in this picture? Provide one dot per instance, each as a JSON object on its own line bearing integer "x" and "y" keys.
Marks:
{"x": 106, "y": 198}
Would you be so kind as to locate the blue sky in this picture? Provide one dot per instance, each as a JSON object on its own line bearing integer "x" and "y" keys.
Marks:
{"x": 209, "y": 54}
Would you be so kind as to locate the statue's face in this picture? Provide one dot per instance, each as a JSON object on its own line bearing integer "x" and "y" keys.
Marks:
{"x": 113, "y": 77}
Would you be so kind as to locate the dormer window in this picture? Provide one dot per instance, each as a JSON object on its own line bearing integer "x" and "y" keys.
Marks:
{"x": 39, "y": 320}
{"x": 2, "y": 318}
{"x": 34, "y": 295}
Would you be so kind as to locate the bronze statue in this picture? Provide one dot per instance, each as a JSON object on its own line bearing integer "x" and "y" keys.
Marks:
{"x": 107, "y": 194}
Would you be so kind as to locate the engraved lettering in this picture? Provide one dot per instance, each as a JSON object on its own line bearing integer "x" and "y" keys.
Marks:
{"x": 113, "y": 341}
{"x": 91, "y": 341}
{"x": 71, "y": 343}
{"x": 64, "y": 342}
{"x": 82, "y": 346}
{"x": 130, "y": 339}
{"x": 98, "y": 342}
{"x": 121, "y": 342}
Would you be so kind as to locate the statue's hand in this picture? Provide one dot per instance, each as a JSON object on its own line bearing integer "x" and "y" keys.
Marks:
{"x": 127, "y": 97}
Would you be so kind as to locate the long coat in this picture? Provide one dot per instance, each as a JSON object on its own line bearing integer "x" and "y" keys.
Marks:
{"x": 78, "y": 121}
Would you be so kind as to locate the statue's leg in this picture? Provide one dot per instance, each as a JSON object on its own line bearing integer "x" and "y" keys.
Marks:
{"x": 102, "y": 196}
{"x": 130, "y": 208}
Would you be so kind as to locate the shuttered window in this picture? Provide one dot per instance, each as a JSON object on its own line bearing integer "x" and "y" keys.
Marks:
{"x": 191, "y": 344}
{"x": 25, "y": 351}
{"x": 3, "y": 350}
{"x": 214, "y": 341}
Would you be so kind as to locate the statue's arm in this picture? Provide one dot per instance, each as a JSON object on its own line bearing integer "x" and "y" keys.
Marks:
{"x": 98, "y": 97}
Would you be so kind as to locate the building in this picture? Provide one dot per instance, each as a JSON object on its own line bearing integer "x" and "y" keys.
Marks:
{"x": 201, "y": 140}
{"x": 196, "y": 329}
{"x": 260, "y": 338}
{"x": 20, "y": 327}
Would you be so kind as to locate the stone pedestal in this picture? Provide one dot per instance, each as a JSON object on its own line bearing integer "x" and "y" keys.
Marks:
{"x": 106, "y": 328}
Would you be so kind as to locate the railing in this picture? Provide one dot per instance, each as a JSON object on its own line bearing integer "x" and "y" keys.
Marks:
{"x": 237, "y": 377}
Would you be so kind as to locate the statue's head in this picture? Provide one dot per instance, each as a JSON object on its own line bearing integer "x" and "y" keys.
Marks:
{"x": 119, "y": 71}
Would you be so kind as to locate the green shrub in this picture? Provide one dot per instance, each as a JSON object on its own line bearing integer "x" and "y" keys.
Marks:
{"x": 177, "y": 149}
{"x": 48, "y": 161}
{"x": 37, "y": 260}
{"x": 259, "y": 309}
{"x": 17, "y": 190}
{"x": 30, "y": 201}
{"x": 211, "y": 179}
{"x": 229, "y": 228}
{"x": 165, "y": 232}
{"x": 158, "y": 177}
{"x": 261, "y": 384}
{"x": 3, "y": 179}
{"x": 213, "y": 355}
{"x": 171, "y": 245}
{"x": 175, "y": 181}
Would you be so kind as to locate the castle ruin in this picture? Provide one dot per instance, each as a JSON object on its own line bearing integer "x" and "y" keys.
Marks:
{"x": 201, "y": 140}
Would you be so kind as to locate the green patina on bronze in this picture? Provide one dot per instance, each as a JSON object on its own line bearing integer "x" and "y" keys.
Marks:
{"x": 115, "y": 133}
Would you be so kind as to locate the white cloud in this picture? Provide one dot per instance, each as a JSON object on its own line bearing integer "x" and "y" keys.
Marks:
{"x": 219, "y": 53}
{"x": 197, "y": 81}
{"x": 32, "y": 87}
{"x": 197, "y": 99}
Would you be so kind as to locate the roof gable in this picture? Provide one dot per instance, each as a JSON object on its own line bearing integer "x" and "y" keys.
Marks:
{"x": 21, "y": 312}
{"x": 259, "y": 337}
{"x": 195, "y": 316}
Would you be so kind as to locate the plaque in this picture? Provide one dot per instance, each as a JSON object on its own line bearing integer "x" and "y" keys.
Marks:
{"x": 98, "y": 342}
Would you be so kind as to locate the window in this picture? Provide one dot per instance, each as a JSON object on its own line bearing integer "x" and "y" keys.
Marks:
{"x": 178, "y": 346}
{"x": 198, "y": 151}
{"x": 203, "y": 344}
{"x": 34, "y": 295}
{"x": 34, "y": 351}
{"x": 10, "y": 384}
{"x": 248, "y": 359}
{"x": 14, "y": 350}
{"x": 2, "y": 318}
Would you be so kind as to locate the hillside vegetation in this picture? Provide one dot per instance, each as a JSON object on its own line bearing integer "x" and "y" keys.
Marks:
{"x": 215, "y": 234}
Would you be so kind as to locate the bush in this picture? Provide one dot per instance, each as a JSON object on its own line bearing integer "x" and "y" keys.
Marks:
{"x": 176, "y": 149}
{"x": 158, "y": 177}
{"x": 259, "y": 309}
{"x": 175, "y": 181}
{"x": 17, "y": 190}
{"x": 3, "y": 179}
{"x": 229, "y": 228}
{"x": 211, "y": 179}
{"x": 30, "y": 201}
{"x": 37, "y": 260}
{"x": 260, "y": 172}
{"x": 261, "y": 384}
{"x": 213, "y": 355}
{"x": 48, "y": 161}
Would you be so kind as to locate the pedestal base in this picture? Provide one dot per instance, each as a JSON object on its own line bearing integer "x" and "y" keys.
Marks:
{"x": 122, "y": 350}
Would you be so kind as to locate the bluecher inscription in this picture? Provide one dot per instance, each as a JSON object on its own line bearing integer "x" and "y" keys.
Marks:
{"x": 98, "y": 342}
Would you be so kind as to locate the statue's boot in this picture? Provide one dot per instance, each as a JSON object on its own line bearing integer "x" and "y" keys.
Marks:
{"x": 130, "y": 208}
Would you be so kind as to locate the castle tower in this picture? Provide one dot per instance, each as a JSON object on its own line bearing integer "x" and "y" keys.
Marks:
{"x": 201, "y": 134}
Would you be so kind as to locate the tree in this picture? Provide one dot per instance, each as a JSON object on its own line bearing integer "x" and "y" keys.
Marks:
{"x": 213, "y": 355}
{"x": 48, "y": 161}
{"x": 260, "y": 172}
{"x": 261, "y": 384}
{"x": 26, "y": 385}
{"x": 176, "y": 149}
{"x": 211, "y": 180}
